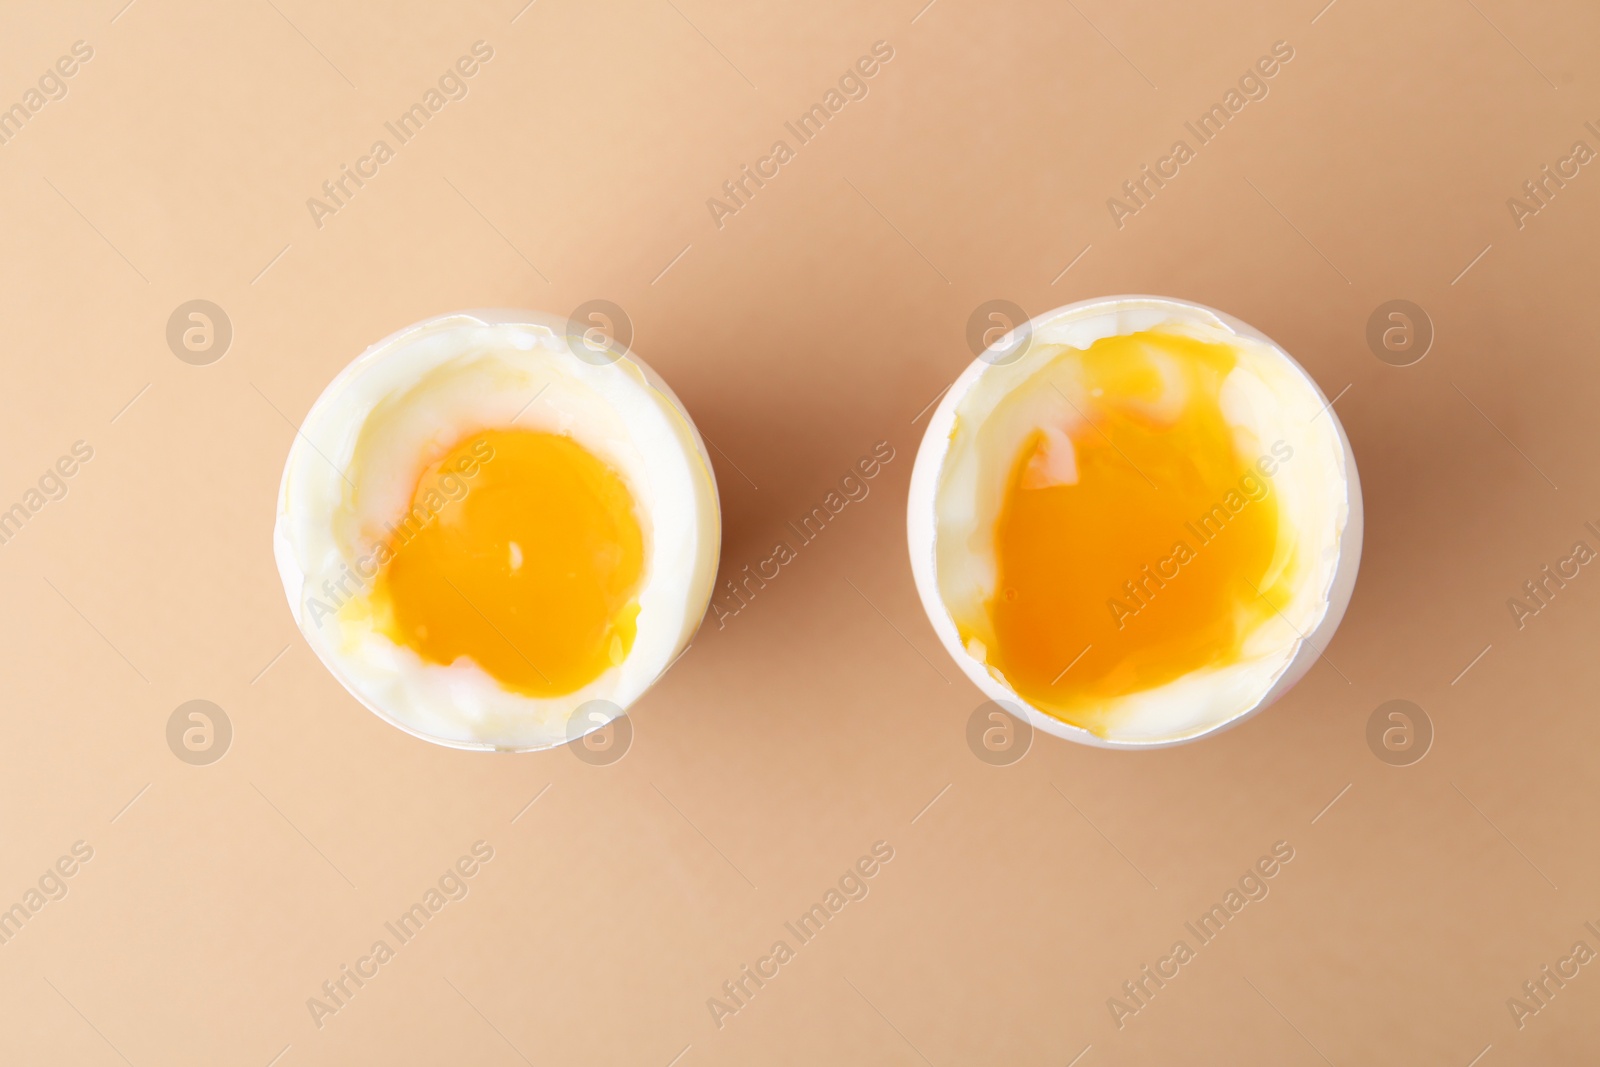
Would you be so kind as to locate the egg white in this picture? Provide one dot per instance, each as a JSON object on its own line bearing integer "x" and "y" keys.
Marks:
{"x": 403, "y": 404}
{"x": 959, "y": 482}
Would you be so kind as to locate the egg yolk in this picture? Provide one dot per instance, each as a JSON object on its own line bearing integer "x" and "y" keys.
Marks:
{"x": 521, "y": 552}
{"x": 1135, "y": 543}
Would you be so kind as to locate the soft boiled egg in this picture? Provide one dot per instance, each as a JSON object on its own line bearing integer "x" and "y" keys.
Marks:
{"x": 1134, "y": 521}
{"x": 497, "y": 531}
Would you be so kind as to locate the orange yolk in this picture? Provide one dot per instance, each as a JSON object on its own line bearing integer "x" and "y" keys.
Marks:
{"x": 1150, "y": 564}
{"x": 523, "y": 554}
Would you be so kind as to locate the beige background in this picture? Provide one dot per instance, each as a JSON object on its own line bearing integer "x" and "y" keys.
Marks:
{"x": 821, "y": 318}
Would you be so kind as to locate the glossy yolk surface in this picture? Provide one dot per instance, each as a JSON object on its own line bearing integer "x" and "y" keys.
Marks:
{"x": 523, "y": 553}
{"x": 1134, "y": 539}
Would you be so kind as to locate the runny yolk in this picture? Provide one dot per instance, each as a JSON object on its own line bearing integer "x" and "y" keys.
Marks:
{"x": 522, "y": 552}
{"x": 1154, "y": 561}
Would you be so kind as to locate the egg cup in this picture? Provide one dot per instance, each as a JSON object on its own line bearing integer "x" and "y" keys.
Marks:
{"x": 946, "y": 500}
{"x": 352, "y": 512}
